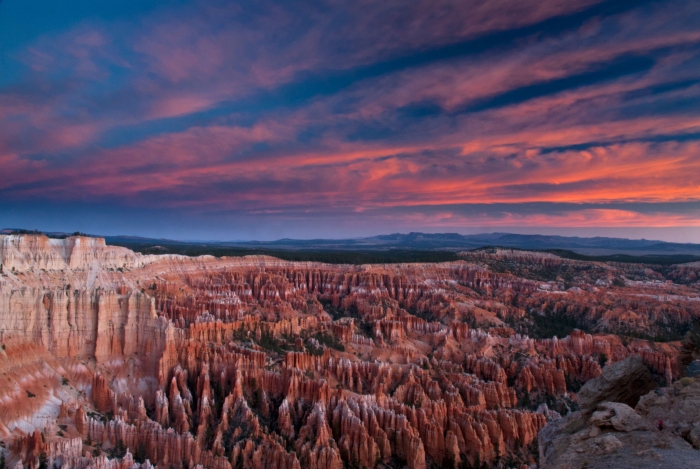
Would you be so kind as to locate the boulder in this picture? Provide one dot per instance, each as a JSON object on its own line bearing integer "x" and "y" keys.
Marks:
{"x": 624, "y": 381}
{"x": 619, "y": 416}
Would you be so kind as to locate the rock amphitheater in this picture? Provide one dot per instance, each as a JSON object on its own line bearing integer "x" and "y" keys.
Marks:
{"x": 113, "y": 359}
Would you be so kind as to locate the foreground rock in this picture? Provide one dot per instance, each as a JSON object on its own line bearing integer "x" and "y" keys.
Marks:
{"x": 675, "y": 409}
{"x": 625, "y": 381}
{"x": 662, "y": 432}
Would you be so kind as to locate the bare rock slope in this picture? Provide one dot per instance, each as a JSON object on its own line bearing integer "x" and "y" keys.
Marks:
{"x": 662, "y": 431}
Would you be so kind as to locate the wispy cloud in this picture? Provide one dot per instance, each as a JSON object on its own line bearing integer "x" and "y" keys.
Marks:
{"x": 366, "y": 108}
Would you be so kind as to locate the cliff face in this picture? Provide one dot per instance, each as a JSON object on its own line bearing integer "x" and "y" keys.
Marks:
{"x": 57, "y": 332}
{"x": 26, "y": 252}
{"x": 80, "y": 323}
{"x": 256, "y": 362}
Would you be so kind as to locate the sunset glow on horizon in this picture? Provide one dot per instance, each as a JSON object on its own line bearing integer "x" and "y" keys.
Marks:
{"x": 264, "y": 120}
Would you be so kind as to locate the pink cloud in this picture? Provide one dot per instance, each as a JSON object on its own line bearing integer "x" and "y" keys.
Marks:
{"x": 525, "y": 152}
{"x": 178, "y": 106}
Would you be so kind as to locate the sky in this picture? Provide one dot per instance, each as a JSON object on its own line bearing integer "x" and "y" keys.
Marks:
{"x": 238, "y": 120}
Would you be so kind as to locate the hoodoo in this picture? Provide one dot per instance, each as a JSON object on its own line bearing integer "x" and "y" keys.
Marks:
{"x": 115, "y": 359}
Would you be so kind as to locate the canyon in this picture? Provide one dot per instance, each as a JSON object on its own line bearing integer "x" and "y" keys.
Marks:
{"x": 115, "y": 359}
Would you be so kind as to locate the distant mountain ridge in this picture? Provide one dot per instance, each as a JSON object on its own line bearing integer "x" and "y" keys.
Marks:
{"x": 457, "y": 242}
{"x": 431, "y": 242}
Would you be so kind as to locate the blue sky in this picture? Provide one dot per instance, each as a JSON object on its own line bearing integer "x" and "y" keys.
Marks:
{"x": 262, "y": 120}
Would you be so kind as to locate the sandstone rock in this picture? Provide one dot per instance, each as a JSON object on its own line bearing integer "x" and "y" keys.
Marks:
{"x": 656, "y": 434}
{"x": 24, "y": 252}
{"x": 189, "y": 361}
{"x": 625, "y": 381}
{"x": 605, "y": 444}
{"x": 676, "y": 409}
{"x": 620, "y": 416}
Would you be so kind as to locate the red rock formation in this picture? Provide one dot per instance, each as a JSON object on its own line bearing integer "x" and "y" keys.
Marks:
{"x": 316, "y": 447}
{"x": 203, "y": 361}
{"x": 103, "y": 397}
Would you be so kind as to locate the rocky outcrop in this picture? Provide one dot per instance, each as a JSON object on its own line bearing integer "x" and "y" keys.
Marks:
{"x": 625, "y": 381}
{"x": 26, "y": 252}
{"x": 316, "y": 447}
{"x": 675, "y": 409}
{"x": 662, "y": 431}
